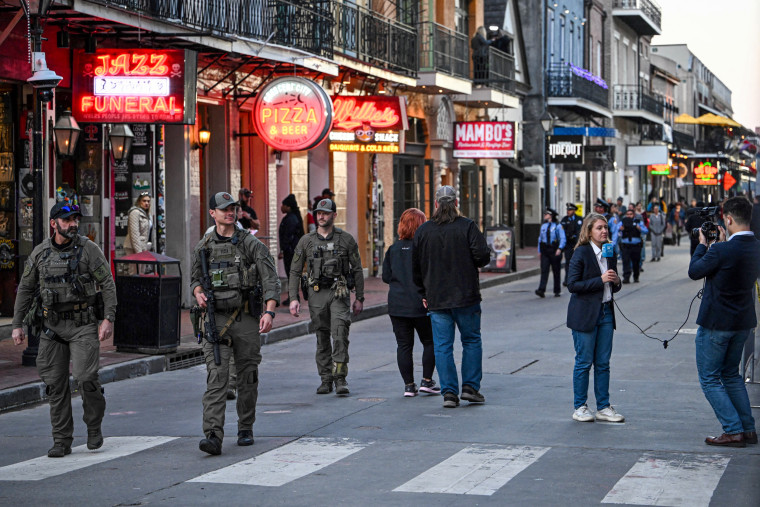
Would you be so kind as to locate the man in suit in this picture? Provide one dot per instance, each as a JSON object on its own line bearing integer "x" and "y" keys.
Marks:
{"x": 726, "y": 318}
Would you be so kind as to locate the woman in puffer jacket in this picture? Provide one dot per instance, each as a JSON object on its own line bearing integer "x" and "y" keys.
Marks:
{"x": 139, "y": 226}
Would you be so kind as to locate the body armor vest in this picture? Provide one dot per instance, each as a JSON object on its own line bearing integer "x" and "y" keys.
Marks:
{"x": 231, "y": 275}
{"x": 328, "y": 262}
{"x": 61, "y": 284}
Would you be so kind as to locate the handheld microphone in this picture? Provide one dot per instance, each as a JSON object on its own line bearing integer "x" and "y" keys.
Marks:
{"x": 608, "y": 250}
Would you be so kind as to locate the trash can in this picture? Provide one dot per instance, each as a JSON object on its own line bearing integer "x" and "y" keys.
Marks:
{"x": 148, "y": 288}
{"x": 501, "y": 242}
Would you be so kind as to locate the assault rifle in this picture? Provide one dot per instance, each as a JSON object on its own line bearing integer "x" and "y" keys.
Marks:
{"x": 212, "y": 335}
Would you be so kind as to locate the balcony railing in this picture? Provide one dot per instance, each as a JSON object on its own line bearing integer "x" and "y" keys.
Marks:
{"x": 302, "y": 25}
{"x": 495, "y": 69}
{"x": 647, "y": 7}
{"x": 374, "y": 39}
{"x": 634, "y": 98}
{"x": 565, "y": 80}
{"x": 443, "y": 50}
{"x": 683, "y": 140}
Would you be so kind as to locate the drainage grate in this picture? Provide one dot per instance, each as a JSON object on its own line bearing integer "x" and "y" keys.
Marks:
{"x": 187, "y": 359}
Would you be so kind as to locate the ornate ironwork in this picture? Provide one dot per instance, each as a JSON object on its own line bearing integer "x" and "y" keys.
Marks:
{"x": 443, "y": 50}
{"x": 495, "y": 69}
{"x": 634, "y": 98}
{"x": 683, "y": 140}
{"x": 646, "y": 6}
{"x": 563, "y": 82}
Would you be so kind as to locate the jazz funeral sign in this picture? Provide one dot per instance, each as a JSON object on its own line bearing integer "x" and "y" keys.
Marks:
{"x": 134, "y": 86}
{"x": 484, "y": 139}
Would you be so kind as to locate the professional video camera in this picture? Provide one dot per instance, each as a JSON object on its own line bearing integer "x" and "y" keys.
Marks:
{"x": 709, "y": 227}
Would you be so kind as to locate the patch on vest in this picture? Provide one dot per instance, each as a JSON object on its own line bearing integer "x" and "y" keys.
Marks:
{"x": 101, "y": 273}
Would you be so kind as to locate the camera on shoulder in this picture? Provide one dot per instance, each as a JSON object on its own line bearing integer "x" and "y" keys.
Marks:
{"x": 709, "y": 227}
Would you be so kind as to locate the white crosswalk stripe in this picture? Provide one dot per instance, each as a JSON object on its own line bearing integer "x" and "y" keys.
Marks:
{"x": 476, "y": 470}
{"x": 113, "y": 447}
{"x": 285, "y": 464}
{"x": 670, "y": 479}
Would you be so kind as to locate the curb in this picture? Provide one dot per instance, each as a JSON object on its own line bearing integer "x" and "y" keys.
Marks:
{"x": 27, "y": 394}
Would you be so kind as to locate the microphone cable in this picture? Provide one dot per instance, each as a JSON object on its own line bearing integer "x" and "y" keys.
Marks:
{"x": 675, "y": 335}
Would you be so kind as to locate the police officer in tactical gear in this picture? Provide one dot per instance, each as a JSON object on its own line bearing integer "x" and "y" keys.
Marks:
{"x": 334, "y": 267}
{"x": 76, "y": 290}
{"x": 571, "y": 223}
{"x": 237, "y": 263}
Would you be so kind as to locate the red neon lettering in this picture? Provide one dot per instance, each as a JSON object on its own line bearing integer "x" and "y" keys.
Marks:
{"x": 158, "y": 107}
{"x": 348, "y": 115}
{"x": 87, "y": 103}
{"x": 131, "y": 105}
{"x": 140, "y": 69}
{"x": 159, "y": 68}
{"x": 115, "y": 103}
{"x": 285, "y": 119}
{"x": 100, "y": 104}
{"x": 101, "y": 69}
{"x": 298, "y": 111}
{"x": 119, "y": 64}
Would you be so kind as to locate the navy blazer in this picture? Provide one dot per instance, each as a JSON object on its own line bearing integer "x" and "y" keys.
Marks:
{"x": 584, "y": 281}
{"x": 730, "y": 269}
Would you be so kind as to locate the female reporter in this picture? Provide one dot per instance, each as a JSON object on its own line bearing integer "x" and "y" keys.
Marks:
{"x": 592, "y": 279}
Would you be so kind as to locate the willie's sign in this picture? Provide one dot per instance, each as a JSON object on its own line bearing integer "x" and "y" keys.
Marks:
{"x": 134, "y": 86}
{"x": 369, "y": 124}
{"x": 484, "y": 139}
{"x": 564, "y": 149}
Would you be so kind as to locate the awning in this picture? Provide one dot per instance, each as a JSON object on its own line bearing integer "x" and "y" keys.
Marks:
{"x": 717, "y": 121}
{"x": 508, "y": 169}
{"x": 687, "y": 119}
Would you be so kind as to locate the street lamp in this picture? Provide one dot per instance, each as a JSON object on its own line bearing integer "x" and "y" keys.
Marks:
{"x": 204, "y": 136}
{"x": 120, "y": 137}
{"x": 66, "y": 131}
{"x": 547, "y": 122}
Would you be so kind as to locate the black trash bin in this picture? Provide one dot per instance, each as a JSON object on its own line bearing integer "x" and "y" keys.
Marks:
{"x": 148, "y": 288}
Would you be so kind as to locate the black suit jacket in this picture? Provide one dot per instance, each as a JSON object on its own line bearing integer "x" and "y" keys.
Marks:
{"x": 584, "y": 280}
{"x": 730, "y": 269}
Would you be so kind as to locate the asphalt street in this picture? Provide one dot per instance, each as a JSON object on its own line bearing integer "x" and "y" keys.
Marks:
{"x": 376, "y": 447}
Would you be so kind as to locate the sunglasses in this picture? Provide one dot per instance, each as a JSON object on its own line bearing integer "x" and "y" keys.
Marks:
{"x": 72, "y": 207}
{"x": 144, "y": 194}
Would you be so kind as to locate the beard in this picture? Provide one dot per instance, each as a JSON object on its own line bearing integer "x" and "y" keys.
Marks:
{"x": 326, "y": 222}
{"x": 69, "y": 233}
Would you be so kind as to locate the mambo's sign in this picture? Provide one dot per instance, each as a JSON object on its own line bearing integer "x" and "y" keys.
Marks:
{"x": 565, "y": 149}
{"x": 368, "y": 124}
{"x": 134, "y": 86}
{"x": 705, "y": 174}
{"x": 484, "y": 139}
{"x": 292, "y": 114}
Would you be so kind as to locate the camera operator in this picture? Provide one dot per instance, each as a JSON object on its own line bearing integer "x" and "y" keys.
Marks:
{"x": 726, "y": 318}
{"x": 631, "y": 232}
{"x": 694, "y": 220}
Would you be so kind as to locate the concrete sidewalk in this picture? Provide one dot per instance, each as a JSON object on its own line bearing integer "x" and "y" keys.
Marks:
{"x": 20, "y": 385}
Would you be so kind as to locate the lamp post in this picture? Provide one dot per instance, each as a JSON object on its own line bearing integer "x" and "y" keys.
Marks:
{"x": 204, "y": 136}
{"x": 66, "y": 131}
{"x": 120, "y": 138}
{"x": 547, "y": 122}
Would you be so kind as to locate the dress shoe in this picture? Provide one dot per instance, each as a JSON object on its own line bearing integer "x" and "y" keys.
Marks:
{"x": 539, "y": 293}
{"x": 211, "y": 445}
{"x": 245, "y": 437}
{"x": 94, "y": 438}
{"x": 726, "y": 440}
{"x": 750, "y": 437}
{"x": 59, "y": 450}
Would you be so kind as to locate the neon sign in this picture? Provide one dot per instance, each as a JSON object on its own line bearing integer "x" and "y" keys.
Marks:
{"x": 659, "y": 169}
{"x": 368, "y": 124}
{"x": 134, "y": 86}
{"x": 292, "y": 114}
{"x": 705, "y": 174}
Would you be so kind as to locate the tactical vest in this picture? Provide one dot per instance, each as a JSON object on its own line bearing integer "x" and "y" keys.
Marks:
{"x": 62, "y": 285}
{"x": 328, "y": 261}
{"x": 232, "y": 277}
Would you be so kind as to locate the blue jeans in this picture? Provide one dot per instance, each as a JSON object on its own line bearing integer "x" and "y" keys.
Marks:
{"x": 593, "y": 347}
{"x": 718, "y": 356}
{"x": 467, "y": 319}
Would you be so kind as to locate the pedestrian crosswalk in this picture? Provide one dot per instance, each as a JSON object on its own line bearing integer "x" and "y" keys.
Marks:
{"x": 675, "y": 479}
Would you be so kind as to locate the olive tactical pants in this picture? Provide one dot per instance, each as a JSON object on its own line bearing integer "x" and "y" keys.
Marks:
{"x": 330, "y": 315}
{"x": 83, "y": 350}
{"x": 246, "y": 349}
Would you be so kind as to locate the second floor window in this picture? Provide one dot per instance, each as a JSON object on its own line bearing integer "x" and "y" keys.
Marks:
{"x": 462, "y": 16}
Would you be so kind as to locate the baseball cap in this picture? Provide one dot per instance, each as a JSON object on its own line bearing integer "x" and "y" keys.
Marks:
{"x": 328, "y": 192}
{"x": 221, "y": 200}
{"x": 446, "y": 194}
{"x": 326, "y": 205}
{"x": 64, "y": 209}
{"x": 245, "y": 191}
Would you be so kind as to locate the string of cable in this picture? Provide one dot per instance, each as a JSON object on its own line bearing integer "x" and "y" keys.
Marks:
{"x": 675, "y": 335}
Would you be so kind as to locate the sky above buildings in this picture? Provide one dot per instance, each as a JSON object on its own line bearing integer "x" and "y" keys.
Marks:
{"x": 725, "y": 36}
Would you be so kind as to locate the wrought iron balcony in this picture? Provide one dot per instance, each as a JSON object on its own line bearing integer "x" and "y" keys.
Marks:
{"x": 644, "y": 16}
{"x": 443, "y": 50}
{"x": 495, "y": 69}
{"x": 683, "y": 140}
{"x": 634, "y": 98}
{"x": 302, "y": 25}
{"x": 566, "y": 80}
{"x": 374, "y": 39}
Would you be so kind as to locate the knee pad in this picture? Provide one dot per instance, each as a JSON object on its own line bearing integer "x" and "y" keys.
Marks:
{"x": 51, "y": 390}
{"x": 252, "y": 377}
{"x": 91, "y": 386}
{"x": 342, "y": 330}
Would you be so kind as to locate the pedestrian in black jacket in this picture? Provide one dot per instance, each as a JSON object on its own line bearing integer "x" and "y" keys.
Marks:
{"x": 406, "y": 309}
{"x": 291, "y": 230}
{"x": 447, "y": 252}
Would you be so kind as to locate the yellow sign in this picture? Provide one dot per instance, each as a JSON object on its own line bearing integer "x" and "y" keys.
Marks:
{"x": 579, "y": 211}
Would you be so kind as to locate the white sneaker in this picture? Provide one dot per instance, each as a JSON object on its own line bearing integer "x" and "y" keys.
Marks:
{"x": 583, "y": 414}
{"x": 608, "y": 414}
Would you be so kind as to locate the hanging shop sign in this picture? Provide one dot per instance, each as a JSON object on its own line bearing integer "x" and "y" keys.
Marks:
{"x": 564, "y": 149}
{"x": 368, "y": 124}
{"x": 134, "y": 86}
{"x": 292, "y": 114}
{"x": 659, "y": 169}
{"x": 484, "y": 139}
{"x": 705, "y": 174}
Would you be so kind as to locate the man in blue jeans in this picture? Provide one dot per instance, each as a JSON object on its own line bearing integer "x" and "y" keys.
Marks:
{"x": 726, "y": 318}
{"x": 447, "y": 251}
